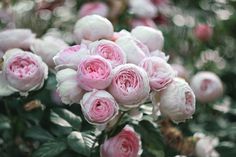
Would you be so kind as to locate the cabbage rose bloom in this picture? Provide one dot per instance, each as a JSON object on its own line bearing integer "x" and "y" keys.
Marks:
{"x": 22, "y": 72}
{"x": 133, "y": 48}
{"x": 93, "y": 27}
{"x": 98, "y": 8}
{"x": 94, "y": 72}
{"x": 125, "y": 144}
{"x": 70, "y": 57}
{"x": 130, "y": 86}
{"x": 159, "y": 72}
{"x": 108, "y": 50}
{"x": 99, "y": 107}
{"x": 177, "y": 101}
{"x": 67, "y": 86}
{"x": 151, "y": 37}
{"x": 47, "y": 48}
{"x": 16, "y": 38}
{"x": 207, "y": 86}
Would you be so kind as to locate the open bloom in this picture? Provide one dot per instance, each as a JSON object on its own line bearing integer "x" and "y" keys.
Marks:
{"x": 71, "y": 56}
{"x": 67, "y": 86}
{"x": 207, "y": 86}
{"x": 93, "y": 27}
{"x": 151, "y": 37}
{"x": 125, "y": 144}
{"x": 16, "y": 38}
{"x": 22, "y": 72}
{"x": 94, "y": 72}
{"x": 130, "y": 85}
{"x": 177, "y": 101}
{"x": 90, "y": 8}
{"x": 159, "y": 72}
{"x": 47, "y": 48}
{"x": 108, "y": 50}
{"x": 99, "y": 107}
{"x": 133, "y": 48}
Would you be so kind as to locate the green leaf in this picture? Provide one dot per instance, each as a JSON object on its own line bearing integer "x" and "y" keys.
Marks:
{"x": 4, "y": 122}
{"x": 50, "y": 149}
{"x": 39, "y": 134}
{"x": 80, "y": 142}
{"x": 70, "y": 117}
{"x": 56, "y": 119}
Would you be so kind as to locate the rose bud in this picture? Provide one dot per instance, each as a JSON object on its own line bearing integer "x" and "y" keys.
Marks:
{"x": 47, "y": 48}
{"x": 159, "y": 72}
{"x": 67, "y": 87}
{"x": 205, "y": 146}
{"x": 108, "y": 50}
{"x": 142, "y": 8}
{"x": 125, "y": 144}
{"x": 158, "y": 53}
{"x": 71, "y": 56}
{"x": 151, "y": 37}
{"x": 181, "y": 71}
{"x": 99, "y": 107}
{"x": 207, "y": 86}
{"x": 93, "y": 27}
{"x": 130, "y": 86}
{"x": 177, "y": 101}
{"x": 133, "y": 48}
{"x": 143, "y": 22}
{"x": 16, "y": 38}
{"x": 203, "y": 32}
{"x": 94, "y": 72}
{"x": 91, "y": 8}
{"x": 22, "y": 72}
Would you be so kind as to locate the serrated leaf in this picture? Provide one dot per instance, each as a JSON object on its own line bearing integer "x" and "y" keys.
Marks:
{"x": 70, "y": 117}
{"x": 56, "y": 119}
{"x": 80, "y": 142}
{"x": 39, "y": 134}
{"x": 50, "y": 149}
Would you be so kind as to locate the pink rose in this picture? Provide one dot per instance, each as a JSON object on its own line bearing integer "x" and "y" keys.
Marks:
{"x": 207, "y": 86}
{"x": 16, "y": 38}
{"x": 143, "y": 22}
{"x": 68, "y": 87}
{"x": 125, "y": 144}
{"x": 22, "y": 72}
{"x": 133, "y": 48}
{"x": 47, "y": 48}
{"x": 110, "y": 51}
{"x": 93, "y": 27}
{"x": 71, "y": 56}
{"x": 90, "y": 8}
{"x": 151, "y": 37}
{"x": 94, "y": 72}
{"x": 130, "y": 85}
{"x": 203, "y": 32}
{"x": 177, "y": 101}
{"x": 159, "y": 72}
{"x": 158, "y": 53}
{"x": 99, "y": 107}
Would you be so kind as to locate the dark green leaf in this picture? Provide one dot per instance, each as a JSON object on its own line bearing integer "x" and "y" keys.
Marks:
{"x": 39, "y": 134}
{"x": 56, "y": 119}
{"x": 4, "y": 122}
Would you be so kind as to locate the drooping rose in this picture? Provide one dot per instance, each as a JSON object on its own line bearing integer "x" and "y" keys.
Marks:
{"x": 203, "y": 32}
{"x": 67, "y": 86}
{"x": 207, "y": 86}
{"x": 47, "y": 48}
{"x": 94, "y": 72}
{"x": 142, "y": 8}
{"x": 71, "y": 56}
{"x": 177, "y": 101}
{"x": 16, "y": 38}
{"x": 133, "y": 48}
{"x": 22, "y": 72}
{"x": 130, "y": 85}
{"x": 151, "y": 37}
{"x": 93, "y": 27}
{"x": 99, "y": 107}
{"x": 90, "y": 8}
{"x": 108, "y": 50}
{"x": 125, "y": 144}
{"x": 159, "y": 72}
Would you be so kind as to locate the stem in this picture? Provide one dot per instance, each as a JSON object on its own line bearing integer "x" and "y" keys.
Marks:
{"x": 118, "y": 121}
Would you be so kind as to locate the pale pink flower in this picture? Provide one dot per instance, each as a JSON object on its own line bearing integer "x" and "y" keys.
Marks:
{"x": 203, "y": 32}
{"x": 143, "y": 22}
{"x": 90, "y": 8}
